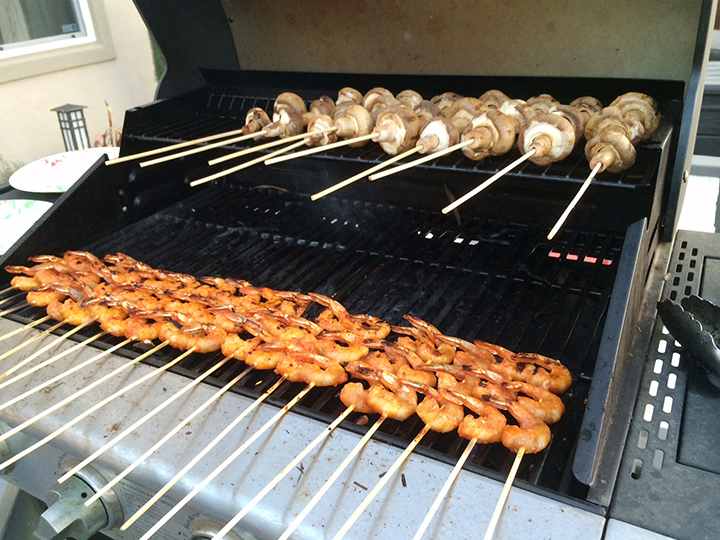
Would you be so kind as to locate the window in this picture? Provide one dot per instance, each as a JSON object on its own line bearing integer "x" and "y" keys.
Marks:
{"x": 41, "y": 36}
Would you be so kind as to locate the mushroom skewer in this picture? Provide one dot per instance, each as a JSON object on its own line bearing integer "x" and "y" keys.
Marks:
{"x": 612, "y": 135}
{"x": 546, "y": 138}
{"x": 438, "y": 134}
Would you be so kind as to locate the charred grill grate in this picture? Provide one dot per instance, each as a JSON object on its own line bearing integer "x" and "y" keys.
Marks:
{"x": 496, "y": 281}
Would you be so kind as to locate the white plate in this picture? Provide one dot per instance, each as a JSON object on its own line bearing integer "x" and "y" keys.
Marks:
{"x": 16, "y": 217}
{"x": 55, "y": 174}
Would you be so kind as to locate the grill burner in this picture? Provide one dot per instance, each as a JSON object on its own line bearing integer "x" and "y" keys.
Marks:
{"x": 500, "y": 282}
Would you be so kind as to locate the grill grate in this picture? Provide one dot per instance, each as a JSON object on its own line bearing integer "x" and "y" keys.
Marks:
{"x": 500, "y": 282}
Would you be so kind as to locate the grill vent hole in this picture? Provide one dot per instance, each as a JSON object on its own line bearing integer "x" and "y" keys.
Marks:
{"x": 658, "y": 459}
{"x": 643, "y": 439}
{"x": 662, "y": 346}
{"x": 667, "y": 404}
{"x": 675, "y": 362}
{"x": 658, "y": 366}
{"x": 636, "y": 468}
{"x": 672, "y": 381}
{"x": 648, "y": 414}
{"x": 663, "y": 430}
{"x": 653, "y": 388}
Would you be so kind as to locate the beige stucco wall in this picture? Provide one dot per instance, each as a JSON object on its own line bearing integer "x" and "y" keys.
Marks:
{"x": 28, "y": 128}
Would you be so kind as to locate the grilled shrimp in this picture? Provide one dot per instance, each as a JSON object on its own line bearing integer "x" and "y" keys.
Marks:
{"x": 337, "y": 318}
{"x": 489, "y": 424}
{"x": 303, "y": 367}
{"x": 542, "y": 403}
{"x": 354, "y": 393}
{"x": 531, "y": 433}
{"x": 238, "y": 348}
{"x": 69, "y": 311}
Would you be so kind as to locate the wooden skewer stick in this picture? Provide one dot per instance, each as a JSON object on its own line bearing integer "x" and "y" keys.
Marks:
{"x": 244, "y": 165}
{"x": 175, "y": 509}
{"x": 574, "y": 202}
{"x": 107, "y": 487}
{"x": 14, "y": 309}
{"x": 172, "y": 147}
{"x": 502, "y": 501}
{"x": 424, "y": 159}
{"x": 452, "y": 206}
{"x": 120, "y": 436}
{"x": 57, "y": 341}
{"x": 8, "y": 289}
{"x": 368, "y": 172}
{"x": 201, "y": 149}
{"x": 11, "y": 297}
{"x": 200, "y": 455}
{"x": 80, "y": 392}
{"x": 24, "y": 328}
{"x": 48, "y": 362}
{"x": 289, "y": 467}
{"x": 94, "y": 408}
{"x": 330, "y": 481}
{"x": 271, "y": 144}
{"x": 446, "y": 487}
{"x": 318, "y": 149}
{"x": 386, "y": 477}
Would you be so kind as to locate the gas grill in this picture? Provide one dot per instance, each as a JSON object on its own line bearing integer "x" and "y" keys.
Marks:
{"x": 485, "y": 272}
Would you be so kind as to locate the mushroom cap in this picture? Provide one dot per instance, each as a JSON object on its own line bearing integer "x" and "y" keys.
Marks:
{"x": 381, "y": 103}
{"x": 519, "y": 112}
{"x": 375, "y": 94}
{"x": 494, "y": 98}
{"x": 349, "y": 94}
{"x": 255, "y": 119}
{"x": 397, "y": 129}
{"x": 409, "y": 98}
{"x": 551, "y": 135}
{"x": 641, "y": 111}
{"x": 542, "y": 102}
{"x": 318, "y": 123}
{"x": 354, "y": 122}
{"x": 426, "y": 110}
{"x": 291, "y": 100}
{"x": 319, "y": 106}
{"x": 342, "y": 107}
{"x": 444, "y": 100}
{"x": 610, "y": 118}
{"x": 463, "y": 110}
{"x": 494, "y": 133}
{"x": 572, "y": 115}
{"x": 613, "y": 150}
{"x": 286, "y": 122}
{"x": 437, "y": 134}
{"x": 587, "y": 105}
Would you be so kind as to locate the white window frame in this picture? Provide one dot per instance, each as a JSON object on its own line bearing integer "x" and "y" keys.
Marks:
{"x": 56, "y": 53}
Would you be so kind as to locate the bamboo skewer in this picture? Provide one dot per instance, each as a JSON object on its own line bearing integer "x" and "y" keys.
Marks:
{"x": 386, "y": 477}
{"x": 271, "y": 144}
{"x": 330, "y": 481}
{"x": 8, "y": 289}
{"x": 574, "y": 202}
{"x": 368, "y": 172}
{"x": 452, "y": 206}
{"x": 200, "y": 455}
{"x": 57, "y": 341}
{"x": 14, "y": 309}
{"x": 120, "y": 436}
{"x": 175, "y": 509}
{"x": 80, "y": 392}
{"x": 200, "y": 149}
{"x": 172, "y": 147}
{"x": 244, "y": 165}
{"x": 446, "y": 487}
{"x": 50, "y": 361}
{"x": 92, "y": 409}
{"x": 11, "y": 297}
{"x": 24, "y": 328}
{"x": 422, "y": 160}
{"x": 289, "y": 467}
{"x": 107, "y": 487}
{"x": 318, "y": 149}
{"x": 502, "y": 501}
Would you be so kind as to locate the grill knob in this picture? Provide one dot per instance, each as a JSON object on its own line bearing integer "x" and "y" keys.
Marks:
{"x": 67, "y": 516}
{"x": 205, "y": 529}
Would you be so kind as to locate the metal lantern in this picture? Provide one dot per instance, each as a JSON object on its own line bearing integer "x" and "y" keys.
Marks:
{"x": 73, "y": 127}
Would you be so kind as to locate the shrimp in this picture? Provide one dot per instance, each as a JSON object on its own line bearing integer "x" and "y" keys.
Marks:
{"x": 336, "y": 317}
{"x": 264, "y": 357}
{"x": 205, "y": 338}
{"x": 559, "y": 378}
{"x": 24, "y": 283}
{"x": 475, "y": 381}
{"x": 354, "y": 393}
{"x": 307, "y": 368}
{"x": 531, "y": 433}
{"x": 398, "y": 403}
{"x": 69, "y": 311}
{"x": 43, "y": 296}
{"x": 407, "y": 361}
{"x": 142, "y": 329}
{"x": 238, "y": 348}
{"x": 542, "y": 403}
{"x": 489, "y": 424}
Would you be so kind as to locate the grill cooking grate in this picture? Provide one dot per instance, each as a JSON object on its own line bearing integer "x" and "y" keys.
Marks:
{"x": 500, "y": 282}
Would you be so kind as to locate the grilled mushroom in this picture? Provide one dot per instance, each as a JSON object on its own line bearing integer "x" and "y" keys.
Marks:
{"x": 292, "y": 101}
{"x": 349, "y": 94}
{"x": 319, "y": 107}
{"x": 443, "y": 101}
{"x": 438, "y": 134}
{"x": 409, "y": 98}
{"x": 256, "y": 119}
{"x": 609, "y": 118}
{"x": 493, "y": 132}
{"x": 612, "y": 149}
{"x": 587, "y": 105}
{"x": 641, "y": 112}
{"x": 542, "y": 103}
{"x": 321, "y": 122}
{"x": 572, "y": 115}
{"x": 397, "y": 129}
{"x": 463, "y": 110}
{"x": 494, "y": 98}
{"x": 519, "y": 112}
{"x": 550, "y": 135}
{"x": 286, "y": 122}
{"x": 426, "y": 110}
{"x": 354, "y": 122}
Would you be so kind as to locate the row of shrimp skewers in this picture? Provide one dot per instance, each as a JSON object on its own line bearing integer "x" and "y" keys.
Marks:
{"x": 265, "y": 328}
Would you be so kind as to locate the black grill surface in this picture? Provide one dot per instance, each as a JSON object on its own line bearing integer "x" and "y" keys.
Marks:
{"x": 496, "y": 281}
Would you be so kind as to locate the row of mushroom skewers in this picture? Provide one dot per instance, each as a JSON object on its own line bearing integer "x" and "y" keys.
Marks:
{"x": 543, "y": 129}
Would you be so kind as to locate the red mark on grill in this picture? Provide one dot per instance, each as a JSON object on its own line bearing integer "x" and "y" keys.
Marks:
{"x": 404, "y": 482}
{"x": 571, "y": 257}
{"x": 554, "y": 255}
{"x": 360, "y": 486}
{"x": 607, "y": 262}
{"x": 590, "y": 260}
